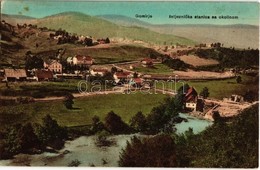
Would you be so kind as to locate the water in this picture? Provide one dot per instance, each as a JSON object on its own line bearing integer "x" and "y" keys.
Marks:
{"x": 198, "y": 125}
{"x": 85, "y": 150}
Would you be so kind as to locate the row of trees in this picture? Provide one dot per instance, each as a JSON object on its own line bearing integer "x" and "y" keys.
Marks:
{"x": 32, "y": 138}
{"x": 230, "y": 57}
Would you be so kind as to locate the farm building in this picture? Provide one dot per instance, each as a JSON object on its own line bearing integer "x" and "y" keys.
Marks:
{"x": 44, "y": 75}
{"x": 192, "y": 101}
{"x": 15, "y": 74}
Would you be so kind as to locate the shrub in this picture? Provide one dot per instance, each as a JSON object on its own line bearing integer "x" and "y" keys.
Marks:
{"x": 158, "y": 151}
{"x": 102, "y": 139}
{"x": 74, "y": 163}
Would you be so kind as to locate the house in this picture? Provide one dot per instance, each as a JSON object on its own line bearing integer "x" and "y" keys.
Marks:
{"x": 15, "y": 74}
{"x": 98, "y": 71}
{"x": 122, "y": 76}
{"x": 44, "y": 75}
{"x": 53, "y": 65}
{"x": 147, "y": 62}
{"x": 80, "y": 60}
{"x": 192, "y": 101}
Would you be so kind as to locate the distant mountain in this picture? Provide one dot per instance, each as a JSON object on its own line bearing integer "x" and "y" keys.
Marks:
{"x": 83, "y": 24}
{"x": 124, "y": 20}
{"x": 14, "y": 19}
{"x": 238, "y": 35}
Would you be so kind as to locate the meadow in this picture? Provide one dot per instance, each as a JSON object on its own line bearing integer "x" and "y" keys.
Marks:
{"x": 156, "y": 69}
{"x": 125, "y": 105}
{"x": 218, "y": 89}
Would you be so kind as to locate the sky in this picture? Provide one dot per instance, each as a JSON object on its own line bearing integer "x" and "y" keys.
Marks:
{"x": 247, "y": 12}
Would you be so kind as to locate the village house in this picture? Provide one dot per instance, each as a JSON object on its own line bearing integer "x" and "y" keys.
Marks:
{"x": 53, "y": 65}
{"x": 192, "y": 102}
{"x": 44, "y": 75}
{"x": 122, "y": 76}
{"x": 15, "y": 74}
{"x": 98, "y": 71}
{"x": 80, "y": 60}
{"x": 147, "y": 62}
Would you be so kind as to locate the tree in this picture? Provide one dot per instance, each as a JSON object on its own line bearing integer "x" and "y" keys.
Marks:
{"x": 114, "y": 124}
{"x": 28, "y": 138}
{"x": 158, "y": 151}
{"x": 50, "y": 133}
{"x": 107, "y": 41}
{"x": 157, "y": 119}
{"x": 238, "y": 79}
{"x": 204, "y": 93}
{"x": 113, "y": 70}
{"x": 138, "y": 122}
{"x": 68, "y": 101}
{"x": 179, "y": 97}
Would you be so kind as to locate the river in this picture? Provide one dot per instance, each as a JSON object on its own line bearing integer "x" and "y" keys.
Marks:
{"x": 85, "y": 150}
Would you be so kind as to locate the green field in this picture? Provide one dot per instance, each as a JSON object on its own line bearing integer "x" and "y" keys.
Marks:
{"x": 39, "y": 88}
{"x": 157, "y": 69}
{"x": 219, "y": 88}
{"x": 125, "y": 105}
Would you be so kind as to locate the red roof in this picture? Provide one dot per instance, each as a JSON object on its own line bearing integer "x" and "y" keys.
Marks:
{"x": 147, "y": 61}
{"x": 122, "y": 74}
{"x": 44, "y": 74}
{"x": 137, "y": 80}
{"x": 83, "y": 58}
{"x": 191, "y": 95}
{"x": 100, "y": 70}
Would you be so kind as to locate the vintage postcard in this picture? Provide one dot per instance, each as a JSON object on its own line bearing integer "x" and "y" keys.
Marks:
{"x": 129, "y": 84}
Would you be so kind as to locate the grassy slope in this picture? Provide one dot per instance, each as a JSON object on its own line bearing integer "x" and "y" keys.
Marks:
{"x": 96, "y": 27}
{"x": 125, "y": 105}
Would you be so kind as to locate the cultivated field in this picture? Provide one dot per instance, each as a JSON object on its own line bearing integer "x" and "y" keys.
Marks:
{"x": 197, "y": 61}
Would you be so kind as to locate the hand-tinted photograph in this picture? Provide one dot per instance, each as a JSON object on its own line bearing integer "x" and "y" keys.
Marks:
{"x": 129, "y": 84}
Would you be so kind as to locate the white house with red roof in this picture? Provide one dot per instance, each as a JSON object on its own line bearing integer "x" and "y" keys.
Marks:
{"x": 80, "y": 60}
{"x": 147, "y": 62}
{"x": 98, "y": 71}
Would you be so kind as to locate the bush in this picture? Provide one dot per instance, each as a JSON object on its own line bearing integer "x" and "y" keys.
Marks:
{"x": 74, "y": 163}
{"x": 97, "y": 125}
